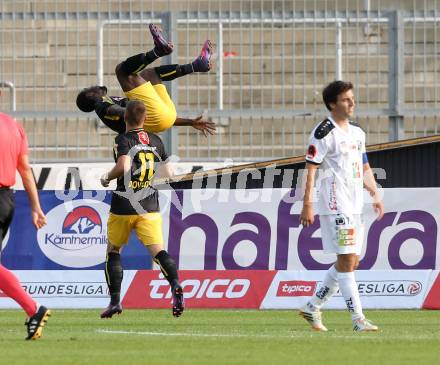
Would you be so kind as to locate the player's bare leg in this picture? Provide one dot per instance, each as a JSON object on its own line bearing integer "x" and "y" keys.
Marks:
{"x": 129, "y": 72}
{"x": 203, "y": 63}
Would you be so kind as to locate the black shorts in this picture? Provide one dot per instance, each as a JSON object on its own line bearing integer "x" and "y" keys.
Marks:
{"x": 7, "y": 207}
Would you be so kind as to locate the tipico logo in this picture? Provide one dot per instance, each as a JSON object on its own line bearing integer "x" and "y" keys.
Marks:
{"x": 75, "y": 235}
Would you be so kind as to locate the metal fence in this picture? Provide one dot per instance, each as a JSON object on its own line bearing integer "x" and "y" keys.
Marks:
{"x": 273, "y": 59}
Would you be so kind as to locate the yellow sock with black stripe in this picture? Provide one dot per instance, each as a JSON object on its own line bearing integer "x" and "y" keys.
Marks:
{"x": 113, "y": 276}
{"x": 168, "y": 267}
{"x": 171, "y": 72}
{"x": 135, "y": 64}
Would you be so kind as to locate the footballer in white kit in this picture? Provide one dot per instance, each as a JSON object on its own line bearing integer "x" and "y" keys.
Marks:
{"x": 337, "y": 148}
{"x": 341, "y": 155}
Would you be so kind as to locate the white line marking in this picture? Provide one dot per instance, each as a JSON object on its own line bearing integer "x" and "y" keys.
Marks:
{"x": 361, "y": 337}
{"x": 194, "y": 334}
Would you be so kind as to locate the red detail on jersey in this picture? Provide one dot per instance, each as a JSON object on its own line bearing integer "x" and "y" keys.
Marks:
{"x": 311, "y": 152}
{"x": 201, "y": 288}
{"x": 143, "y": 137}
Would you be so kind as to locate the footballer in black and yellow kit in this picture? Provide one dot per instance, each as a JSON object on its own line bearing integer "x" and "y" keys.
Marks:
{"x": 145, "y": 84}
{"x": 135, "y": 206}
{"x": 146, "y": 151}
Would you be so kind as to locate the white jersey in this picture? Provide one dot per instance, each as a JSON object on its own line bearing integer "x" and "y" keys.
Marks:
{"x": 341, "y": 156}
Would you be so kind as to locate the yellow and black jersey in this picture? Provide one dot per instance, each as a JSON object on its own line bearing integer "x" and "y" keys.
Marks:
{"x": 134, "y": 193}
{"x": 114, "y": 122}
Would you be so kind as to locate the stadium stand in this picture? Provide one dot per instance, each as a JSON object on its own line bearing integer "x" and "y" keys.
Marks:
{"x": 274, "y": 67}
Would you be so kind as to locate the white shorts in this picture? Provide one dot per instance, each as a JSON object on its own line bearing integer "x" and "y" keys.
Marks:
{"x": 342, "y": 234}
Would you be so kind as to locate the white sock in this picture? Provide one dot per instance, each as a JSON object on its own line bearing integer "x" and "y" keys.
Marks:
{"x": 329, "y": 286}
{"x": 349, "y": 290}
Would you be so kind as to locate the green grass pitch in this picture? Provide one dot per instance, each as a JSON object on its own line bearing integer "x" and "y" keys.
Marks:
{"x": 221, "y": 337}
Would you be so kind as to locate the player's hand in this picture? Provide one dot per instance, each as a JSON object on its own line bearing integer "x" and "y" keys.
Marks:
{"x": 104, "y": 180}
{"x": 203, "y": 125}
{"x": 379, "y": 209}
{"x": 307, "y": 216}
{"x": 38, "y": 218}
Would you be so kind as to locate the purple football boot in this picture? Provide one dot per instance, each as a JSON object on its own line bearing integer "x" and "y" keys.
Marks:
{"x": 161, "y": 46}
{"x": 203, "y": 62}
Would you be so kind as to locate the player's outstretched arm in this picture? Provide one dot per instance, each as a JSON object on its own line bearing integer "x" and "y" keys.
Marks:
{"x": 307, "y": 216}
{"x": 206, "y": 126}
{"x": 24, "y": 169}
